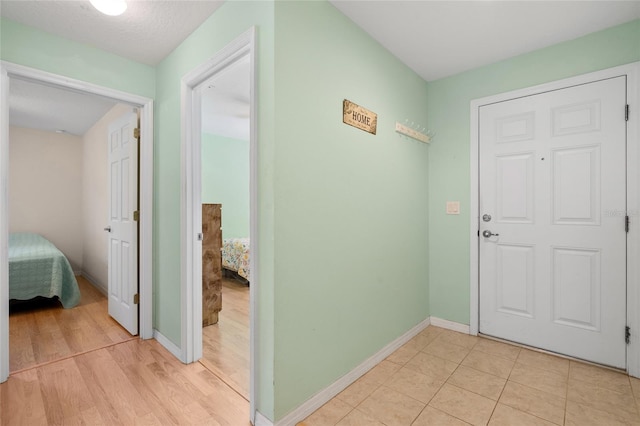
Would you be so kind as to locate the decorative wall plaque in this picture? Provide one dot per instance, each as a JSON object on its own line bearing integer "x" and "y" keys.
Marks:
{"x": 357, "y": 116}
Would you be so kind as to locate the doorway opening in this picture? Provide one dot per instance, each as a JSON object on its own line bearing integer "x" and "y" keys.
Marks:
{"x": 228, "y": 79}
{"x": 58, "y": 193}
{"x": 225, "y": 111}
{"x": 92, "y": 285}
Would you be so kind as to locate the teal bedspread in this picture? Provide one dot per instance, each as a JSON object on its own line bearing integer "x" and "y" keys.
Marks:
{"x": 38, "y": 268}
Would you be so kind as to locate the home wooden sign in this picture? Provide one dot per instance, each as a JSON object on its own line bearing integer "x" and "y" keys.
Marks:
{"x": 357, "y": 116}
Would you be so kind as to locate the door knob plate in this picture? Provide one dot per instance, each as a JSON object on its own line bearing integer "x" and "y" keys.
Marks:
{"x": 487, "y": 234}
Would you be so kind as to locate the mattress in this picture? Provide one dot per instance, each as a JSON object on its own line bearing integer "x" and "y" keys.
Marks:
{"x": 38, "y": 268}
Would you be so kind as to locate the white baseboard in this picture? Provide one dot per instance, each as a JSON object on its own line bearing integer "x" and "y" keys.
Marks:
{"x": 450, "y": 325}
{"x": 168, "y": 344}
{"x": 261, "y": 420}
{"x": 322, "y": 397}
{"x": 94, "y": 282}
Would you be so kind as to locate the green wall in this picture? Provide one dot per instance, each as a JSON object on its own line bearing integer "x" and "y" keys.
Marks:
{"x": 449, "y": 115}
{"x": 225, "y": 180}
{"x": 226, "y": 24}
{"x": 33, "y": 48}
{"x": 350, "y": 275}
{"x": 36, "y": 49}
{"x": 355, "y": 248}
{"x": 351, "y": 208}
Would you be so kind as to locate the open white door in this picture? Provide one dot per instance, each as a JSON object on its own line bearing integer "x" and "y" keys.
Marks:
{"x": 123, "y": 225}
{"x": 552, "y": 221}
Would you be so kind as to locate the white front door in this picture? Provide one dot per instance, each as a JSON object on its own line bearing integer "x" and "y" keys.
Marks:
{"x": 553, "y": 191}
{"x": 123, "y": 228}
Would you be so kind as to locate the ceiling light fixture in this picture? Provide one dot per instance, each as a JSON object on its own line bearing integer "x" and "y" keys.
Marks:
{"x": 110, "y": 7}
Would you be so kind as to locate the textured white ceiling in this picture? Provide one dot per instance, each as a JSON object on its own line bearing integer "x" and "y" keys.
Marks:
{"x": 441, "y": 38}
{"x": 47, "y": 108}
{"x": 225, "y": 102}
{"x": 434, "y": 38}
{"x": 225, "y": 105}
{"x": 146, "y": 32}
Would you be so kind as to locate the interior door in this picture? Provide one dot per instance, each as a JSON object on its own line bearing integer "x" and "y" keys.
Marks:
{"x": 123, "y": 227}
{"x": 552, "y": 221}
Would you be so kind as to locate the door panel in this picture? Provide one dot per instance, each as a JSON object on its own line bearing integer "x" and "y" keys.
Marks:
{"x": 515, "y": 279}
{"x": 123, "y": 234}
{"x": 576, "y": 189}
{"x": 515, "y": 188}
{"x": 552, "y": 174}
{"x": 576, "y": 288}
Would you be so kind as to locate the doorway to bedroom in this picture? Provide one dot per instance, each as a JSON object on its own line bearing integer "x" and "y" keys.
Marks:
{"x": 225, "y": 197}
{"x": 59, "y": 181}
{"x": 219, "y": 313}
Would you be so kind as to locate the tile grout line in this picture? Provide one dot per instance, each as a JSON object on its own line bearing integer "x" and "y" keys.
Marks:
{"x": 503, "y": 388}
{"x": 507, "y": 379}
{"x": 343, "y": 417}
{"x": 538, "y": 390}
{"x": 505, "y": 385}
{"x": 633, "y": 394}
{"x": 518, "y": 359}
{"x": 603, "y": 387}
{"x": 566, "y": 395}
{"x": 434, "y": 395}
{"x": 403, "y": 366}
{"x": 379, "y": 385}
{"x": 447, "y": 382}
{"x": 367, "y": 397}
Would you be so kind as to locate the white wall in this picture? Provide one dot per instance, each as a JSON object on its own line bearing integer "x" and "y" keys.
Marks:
{"x": 45, "y": 188}
{"x": 95, "y": 188}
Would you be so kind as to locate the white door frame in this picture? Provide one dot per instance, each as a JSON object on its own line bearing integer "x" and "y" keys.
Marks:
{"x": 191, "y": 200}
{"x": 632, "y": 71}
{"x": 10, "y": 70}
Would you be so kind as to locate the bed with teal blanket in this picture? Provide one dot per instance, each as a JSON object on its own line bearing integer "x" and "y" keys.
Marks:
{"x": 38, "y": 268}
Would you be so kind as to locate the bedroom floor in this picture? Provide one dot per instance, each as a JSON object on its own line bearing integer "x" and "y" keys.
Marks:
{"x": 137, "y": 382}
{"x": 127, "y": 382}
{"x": 43, "y": 331}
{"x": 441, "y": 377}
{"x": 225, "y": 345}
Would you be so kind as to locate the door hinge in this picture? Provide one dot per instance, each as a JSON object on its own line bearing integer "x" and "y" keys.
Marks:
{"x": 136, "y": 133}
{"x": 626, "y": 223}
{"x": 200, "y": 236}
{"x": 627, "y": 334}
{"x": 626, "y": 112}
{"x": 136, "y": 215}
{"x": 136, "y": 298}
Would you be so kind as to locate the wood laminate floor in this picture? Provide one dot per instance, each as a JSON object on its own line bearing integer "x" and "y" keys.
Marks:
{"x": 42, "y": 331}
{"x": 136, "y": 382}
{"x": 225, "y": 345}
{"x": 79, "y": 366}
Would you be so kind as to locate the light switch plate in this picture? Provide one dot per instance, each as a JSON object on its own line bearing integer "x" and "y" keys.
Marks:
{"x": 453, "y": 207}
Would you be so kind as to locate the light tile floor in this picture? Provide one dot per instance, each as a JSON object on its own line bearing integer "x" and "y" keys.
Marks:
{"x": 441, "y": 377}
